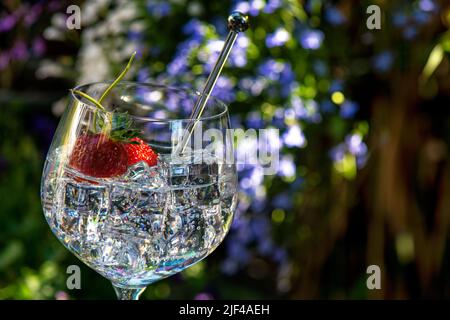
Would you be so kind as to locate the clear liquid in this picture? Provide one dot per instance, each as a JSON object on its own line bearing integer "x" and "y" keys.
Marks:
{"x": 144, "y": 226}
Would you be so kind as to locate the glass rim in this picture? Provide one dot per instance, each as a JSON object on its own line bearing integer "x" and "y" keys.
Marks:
{"x": 188, "y": 92}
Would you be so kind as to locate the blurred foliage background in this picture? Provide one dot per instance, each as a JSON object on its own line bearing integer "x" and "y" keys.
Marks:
{"x": 364, "y": 123}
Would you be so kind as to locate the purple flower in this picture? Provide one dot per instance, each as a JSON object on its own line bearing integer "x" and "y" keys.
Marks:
{"x": 33, "y": 14}
{"x": 19, "y": 51}
{"x": 334, "y": 16}
{"x": 294, "y": 137}
{"x": 38, "y": 47}
{"x": 7, "y": 23}
{"x": 203, "y": 296}
{"x": 311, "y": 39}
{"x": 278, "y": 38}
{"x": 427, "y": 5}
{"x": 383, "y": 61}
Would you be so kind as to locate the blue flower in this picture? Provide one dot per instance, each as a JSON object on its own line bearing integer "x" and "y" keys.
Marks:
{"x": 278, "y": 38}
{"x": 143, "y": 75}
{"x": 158, "y": 9}
{"x": 255, "y": 7}
{"x": 265, "y": 246}
{"x": 242, "y": 6}
{"x": 135, "y": 35}
{"x": 260, "y": 227}
{"x": 383, "y": 61}
{"x": 311, "y": 39}
{"x": 338, "y": 152}
{"x": 238, "y": 56}
{"x": 410, "y": 32}
{"x": 254, "y": 120}
{"x": 278, "y": 118}
{"x": 427, "y": 5}
{"x": 327, "y": 106}
{"x": 223, "y": 89}
{"x": 421, "y": 17}
{"x": 286, "y": 167}
{"x": 355, "y": 145}
{"x": 280, "y": 72}
{"x": 272, "y": 5}
{"x": 348, "y": 109}
{"x": 238, "y": 251}
{"x": 229, "y": 266}
{"x": 177, "y": 66}
{"x": 399, "y": 19}
{"x": 294, "y": 137}
{"x": 194, "y": 28}
{"x": 280, "y": 255}
{"x": 283, "y": 201}
{"x": 334, "y": 16}
{"x": 336, "y": 85}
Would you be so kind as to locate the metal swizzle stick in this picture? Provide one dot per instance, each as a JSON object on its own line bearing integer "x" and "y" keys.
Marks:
{"x": 237, "y": 22}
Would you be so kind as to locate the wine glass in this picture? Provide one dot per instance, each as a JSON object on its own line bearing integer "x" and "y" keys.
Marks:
{"x": 116, "y": 194}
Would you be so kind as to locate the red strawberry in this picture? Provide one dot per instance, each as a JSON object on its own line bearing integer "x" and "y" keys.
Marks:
{"x": 140, "y": 152}
{"x": 98, "y": 156}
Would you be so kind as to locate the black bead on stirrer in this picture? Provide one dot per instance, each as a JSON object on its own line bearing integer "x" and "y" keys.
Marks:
{"x": 237, "y": 22}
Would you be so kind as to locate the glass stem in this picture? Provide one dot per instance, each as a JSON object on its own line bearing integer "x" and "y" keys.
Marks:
{"x": 128, "y": 293}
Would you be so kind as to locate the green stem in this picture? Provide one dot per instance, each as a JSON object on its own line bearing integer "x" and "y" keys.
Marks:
{"x": 88, "y": 97}
{"x": 98, "y": 103}
{"x": 120, "y": 77}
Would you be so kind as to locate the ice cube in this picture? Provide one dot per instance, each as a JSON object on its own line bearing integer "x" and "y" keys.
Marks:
{"x": 145, "y": 176}
{"x": 205, "y": 190}
{"x": 75, "y": 197}
{"x": 86, "y": 198}
{"x": 123, "y": 200}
